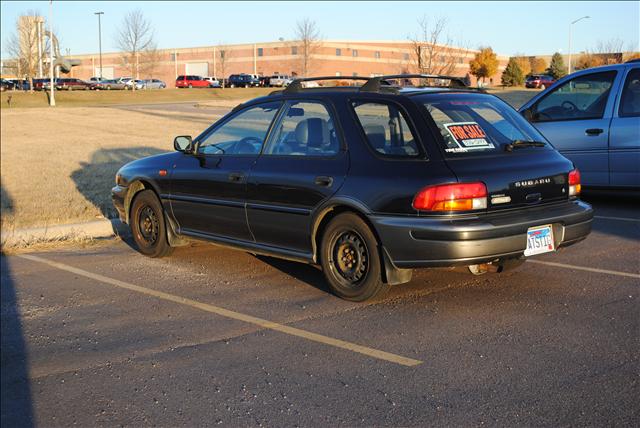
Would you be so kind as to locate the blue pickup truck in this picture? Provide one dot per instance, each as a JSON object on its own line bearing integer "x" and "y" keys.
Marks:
{"x": 593, "y": 118}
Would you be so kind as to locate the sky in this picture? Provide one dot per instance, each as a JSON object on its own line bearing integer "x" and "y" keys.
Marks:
{"x": 509, "y": 27}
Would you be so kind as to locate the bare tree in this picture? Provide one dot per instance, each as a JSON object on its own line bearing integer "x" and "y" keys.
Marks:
{"x": 149, "y": 60}
{"x": 432, "y": 49}
{"x": 23, "y": 47}
{"x": 308, "y": 36}
{"x": 134, "y": 37}
{"x": 221, "y": 57}
{"x": 609, "y": 51}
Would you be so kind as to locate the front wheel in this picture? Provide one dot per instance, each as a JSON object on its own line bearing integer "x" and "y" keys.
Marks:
{"x": 351, "y": 260}
{"x": 543, "y": 87}
{"x": 148, "y": 225}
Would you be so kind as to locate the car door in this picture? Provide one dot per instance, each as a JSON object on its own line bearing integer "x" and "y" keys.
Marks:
{"x": 302, "y": 164}
{"x": 624, "y": 139}
{"x": 208, "y": 188}
{"x": 575, "y": 118}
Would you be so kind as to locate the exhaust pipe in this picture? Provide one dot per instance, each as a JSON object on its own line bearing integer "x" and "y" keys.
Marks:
{"x": 497, "y": 266}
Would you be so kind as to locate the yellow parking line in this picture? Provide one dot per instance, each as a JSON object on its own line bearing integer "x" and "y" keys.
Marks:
{"x": 588, "y": 269}
{"x": 375, "y": 353}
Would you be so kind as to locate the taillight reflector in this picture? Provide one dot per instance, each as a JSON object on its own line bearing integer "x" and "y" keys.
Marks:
{"x": 574, "y": 183}
{"x": 452, "y": 197}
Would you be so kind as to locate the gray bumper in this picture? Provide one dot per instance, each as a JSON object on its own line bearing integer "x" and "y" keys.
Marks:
{"x": 413, "y": 242}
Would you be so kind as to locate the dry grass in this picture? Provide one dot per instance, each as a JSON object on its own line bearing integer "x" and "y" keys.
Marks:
{"x": 58, "y": 165}
{"x": 21, "y": 99}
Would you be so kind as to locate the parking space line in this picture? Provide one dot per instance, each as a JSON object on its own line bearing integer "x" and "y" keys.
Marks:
{"x": 588, "y": 269}
{"x": 615, "y": 218}
{"x": 374, "y": 353}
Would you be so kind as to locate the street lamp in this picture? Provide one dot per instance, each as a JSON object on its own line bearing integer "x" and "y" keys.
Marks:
{"x": 52, "y": 89}
{"x": 100, "y": 39}
{"x": 570, "y": 27}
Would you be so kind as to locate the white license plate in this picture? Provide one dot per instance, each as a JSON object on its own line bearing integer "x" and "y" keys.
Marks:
{"x": 539, "y": 240}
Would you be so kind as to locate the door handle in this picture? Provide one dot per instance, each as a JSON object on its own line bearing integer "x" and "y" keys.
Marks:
{"x": 323, "y": 180}
{"x": 594, "y": 131}
{"x": 236, "y": 177}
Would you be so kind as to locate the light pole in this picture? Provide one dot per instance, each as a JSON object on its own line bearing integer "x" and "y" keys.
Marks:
{"x": 570, "y": 27}
{"x": 100, "y": 39}
{"x": 52, "y": 96}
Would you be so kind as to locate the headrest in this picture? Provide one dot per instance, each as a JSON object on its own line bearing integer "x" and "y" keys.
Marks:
{"x": 312, "y": 132}
{"x": 376, "y": 135}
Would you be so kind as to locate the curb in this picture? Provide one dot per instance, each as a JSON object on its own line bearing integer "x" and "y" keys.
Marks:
{"x": 105, "y": 228}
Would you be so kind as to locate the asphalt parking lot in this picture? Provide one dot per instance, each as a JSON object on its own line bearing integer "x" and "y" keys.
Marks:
{"x": 104, "y": 336}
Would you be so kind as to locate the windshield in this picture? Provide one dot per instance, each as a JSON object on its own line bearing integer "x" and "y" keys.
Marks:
{"x": 476, "y": 123}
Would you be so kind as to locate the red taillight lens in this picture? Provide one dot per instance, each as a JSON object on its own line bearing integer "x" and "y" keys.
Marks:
{"x": 574, "y": 183}
{"x": 452, "y": 197}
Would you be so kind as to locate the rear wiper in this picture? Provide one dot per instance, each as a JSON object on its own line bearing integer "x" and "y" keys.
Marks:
{"x": 523, "y": 143}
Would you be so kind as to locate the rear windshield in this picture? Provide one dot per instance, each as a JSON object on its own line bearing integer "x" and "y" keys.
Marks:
{"x": 477, "y": 123}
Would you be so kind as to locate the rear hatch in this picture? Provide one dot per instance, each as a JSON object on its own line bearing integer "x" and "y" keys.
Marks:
{"x": 485, "y": 140}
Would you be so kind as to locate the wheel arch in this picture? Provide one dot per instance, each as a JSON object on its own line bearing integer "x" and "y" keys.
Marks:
{"x": 391, "y": 273}
{"x": 136, "y": 186}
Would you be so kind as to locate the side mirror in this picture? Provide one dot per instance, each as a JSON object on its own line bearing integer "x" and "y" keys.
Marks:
{"x": 183, "y": 143}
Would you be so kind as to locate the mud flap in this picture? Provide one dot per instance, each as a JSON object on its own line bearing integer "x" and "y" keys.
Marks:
{"x": 392, "y": 274}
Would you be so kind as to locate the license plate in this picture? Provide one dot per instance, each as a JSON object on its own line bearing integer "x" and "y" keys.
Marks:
{"x": 539, "y": 240}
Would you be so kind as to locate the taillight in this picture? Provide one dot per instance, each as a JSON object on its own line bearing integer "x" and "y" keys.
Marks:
{"x": 574, "y": 183}
{"x": 452, "y": 197}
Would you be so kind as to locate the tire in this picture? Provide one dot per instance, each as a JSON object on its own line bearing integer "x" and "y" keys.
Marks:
{"x": 108, "y": 88}
{"x": 542, "y": 87}
{"x": 148, "y": 225}
{"x": 357, "y": 274}
{"x": 232, "y": 85}
{"x": 190, "y": 86}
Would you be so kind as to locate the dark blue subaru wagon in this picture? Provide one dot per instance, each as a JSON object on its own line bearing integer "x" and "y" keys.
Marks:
{"x": 367, "y": 181}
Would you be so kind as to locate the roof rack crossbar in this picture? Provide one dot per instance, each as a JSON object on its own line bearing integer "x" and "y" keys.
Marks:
{"x": 374, "y": 83}
{"x": 296, "y": 84}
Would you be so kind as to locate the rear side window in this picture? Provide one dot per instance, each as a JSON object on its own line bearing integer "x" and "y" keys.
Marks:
{"x": 386, "y": 129}
{"x": 630, "y": 101}
{"x": 305, "y": 128}
{"x": 476, "y": 123}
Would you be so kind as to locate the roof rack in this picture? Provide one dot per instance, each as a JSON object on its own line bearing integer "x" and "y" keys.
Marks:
{"x": 374, "y": 83}
{"x": 296, "y": 84}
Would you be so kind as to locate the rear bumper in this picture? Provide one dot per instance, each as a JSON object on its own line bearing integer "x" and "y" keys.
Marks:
{"x": 413, "y": 242}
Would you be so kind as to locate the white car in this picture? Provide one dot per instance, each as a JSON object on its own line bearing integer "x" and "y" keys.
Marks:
{"x": 279, "y": 80}
{"x": 213, "y": 82}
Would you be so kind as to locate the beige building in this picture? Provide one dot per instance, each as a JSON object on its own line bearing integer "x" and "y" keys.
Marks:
{"x": 328, "y": 58}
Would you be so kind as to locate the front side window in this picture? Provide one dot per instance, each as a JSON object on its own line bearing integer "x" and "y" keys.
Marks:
{"x": 477, "y": 123}
{"x": 386, "y": 128}
{"x": 583, "y": 97}
{"x": 242, "y": 134}
{"x": 630, "y": 101}
{"x": 305, "y": 128}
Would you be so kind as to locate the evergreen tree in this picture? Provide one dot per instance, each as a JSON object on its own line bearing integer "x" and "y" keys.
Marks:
{"x": 556, "y": 66}
{"x": 512, "y": 74}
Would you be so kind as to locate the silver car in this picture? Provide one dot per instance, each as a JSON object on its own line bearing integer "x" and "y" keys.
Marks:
{"x": 593, "y": 118}
{"x": 153, "y": 84}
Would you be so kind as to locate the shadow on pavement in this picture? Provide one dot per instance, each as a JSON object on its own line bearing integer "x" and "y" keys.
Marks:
{"x": 613, "y": 203}
{"x": 300, "y": 271}
{"x": 15, "y": 395}
{"x": 96, "y": 178}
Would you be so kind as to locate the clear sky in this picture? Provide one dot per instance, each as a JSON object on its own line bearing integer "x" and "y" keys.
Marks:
{"x": 509, "y": 27}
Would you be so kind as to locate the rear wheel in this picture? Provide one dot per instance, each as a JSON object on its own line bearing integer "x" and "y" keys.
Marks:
{"x": 543, "y": 87}
{"x": 351, "y": 260}
{"x": 148, "y": 225}
{"x": 190, "y": 86}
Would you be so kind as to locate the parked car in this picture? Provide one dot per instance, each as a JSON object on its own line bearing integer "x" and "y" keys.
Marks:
{"x": 71, "y": 84}
{"x": 107, "y": 85}
{"x": 368, "y": 182}
{"x": 38, "y": 84}
{"x": 6, "y": 85}
{"x": 593, "y": 117}
{"x": 154, "y": 84}
{"x": 190, "y": 81}
{"x": 264, "y": 81}
{"x": 279, "y": 80}
{"x": 213, "y": 82}
{"x": 539, "y": 81}
{"x": 242, "y": 81}
{"x": 18, "y": 84}
{"x": 138, "y": 82}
